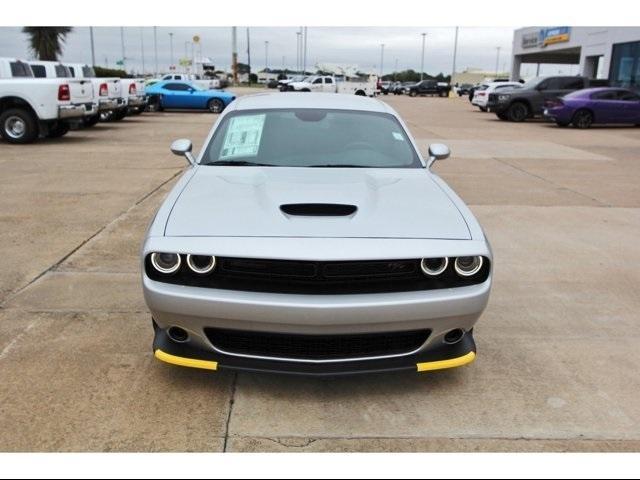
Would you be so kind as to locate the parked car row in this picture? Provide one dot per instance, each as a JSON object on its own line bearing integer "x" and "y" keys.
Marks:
{"x": 332, "y": 84}
{"x": 414, "y": 89}
{"x": 47, "y": 99}
{"x": 565, "y": 100}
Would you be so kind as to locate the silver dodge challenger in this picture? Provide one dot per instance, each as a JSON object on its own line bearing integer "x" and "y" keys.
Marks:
{"x": 310, "y": 236}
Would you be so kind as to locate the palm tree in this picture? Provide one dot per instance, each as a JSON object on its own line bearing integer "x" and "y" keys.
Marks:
{"x": 46, "y": 42}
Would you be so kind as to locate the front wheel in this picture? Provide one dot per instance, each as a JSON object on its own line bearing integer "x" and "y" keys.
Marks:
{"x": 582, "y": 119}
{"x": 215, "y": 105}
{"x": 18, "y": 125}
{"x": 518, "y": 112}
{"x": 361, "y": 93}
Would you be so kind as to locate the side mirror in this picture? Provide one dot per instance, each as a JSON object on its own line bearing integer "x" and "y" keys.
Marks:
{"x": 182, "y": 148}
{"x": 437, "y": 151}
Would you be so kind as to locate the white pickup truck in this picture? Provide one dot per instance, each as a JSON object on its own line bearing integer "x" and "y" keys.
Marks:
{"x": 331, "y": 84}
{"x": 31, "y": 107}
{"x": 133, "y": 91}
{"x": 108, "y": 94}
{"x": 207, "y": 84}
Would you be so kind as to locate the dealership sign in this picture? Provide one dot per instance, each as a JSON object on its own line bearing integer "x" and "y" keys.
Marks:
{"x": 546, "y": 36}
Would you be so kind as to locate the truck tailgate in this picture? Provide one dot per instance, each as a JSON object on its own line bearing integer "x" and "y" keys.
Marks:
{"x": 115, "y": 87}
{"x": 81, "y": 91}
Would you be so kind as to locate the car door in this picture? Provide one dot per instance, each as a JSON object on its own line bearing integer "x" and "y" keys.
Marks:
{"x": 328, "y": 85}
{"x": 605, "y": 106}
{"x": 317, "y": 85}
{"x": 173, "y": 95}
{"x": 630, "y": 106}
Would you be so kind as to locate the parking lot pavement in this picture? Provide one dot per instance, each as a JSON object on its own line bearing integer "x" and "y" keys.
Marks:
{"x": 557, "y": 346}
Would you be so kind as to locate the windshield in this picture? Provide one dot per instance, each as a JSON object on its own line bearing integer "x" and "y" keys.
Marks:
{"x": 533, "y": 82}
{"x": 311, "y": 138}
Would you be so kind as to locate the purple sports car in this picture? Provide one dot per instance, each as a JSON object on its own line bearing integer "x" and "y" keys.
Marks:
{"x": 582, "y": 108}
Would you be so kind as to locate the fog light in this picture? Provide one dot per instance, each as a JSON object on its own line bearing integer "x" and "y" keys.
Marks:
{"x": 468, "y": 266}
{"x": 434, "y": 266}
{"x": 201, "y": 264}
{"x": 166, "y": 262}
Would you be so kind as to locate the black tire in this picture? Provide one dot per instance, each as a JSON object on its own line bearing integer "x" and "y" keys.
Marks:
{"x": 89, "y": 122}
{"x": 361, "y": 93}
{"x": 137, "y": 110}
{"x": 412, "y": 93}
{"x": 305, "y": 90}
{"x": 119, "y": 115}
{"x": 19, "y": 125}
{"x": 484, "y": 109}
{"x": 502, "y": 116}
{"x": 582, "y": 119}
{"x": 59, "y": 129}
{"x": 215, "y": 105}
{"x": 517, "y": 112}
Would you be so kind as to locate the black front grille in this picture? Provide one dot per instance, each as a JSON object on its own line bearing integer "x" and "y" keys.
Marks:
{"x": 316, "y": 347}
{"x": 307, "y": 277}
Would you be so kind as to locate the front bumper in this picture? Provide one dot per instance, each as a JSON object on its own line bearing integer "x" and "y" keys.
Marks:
{"x": 439, "y": 357}
{"x": 75, "y": 111}
{"x": 195, "y": 309}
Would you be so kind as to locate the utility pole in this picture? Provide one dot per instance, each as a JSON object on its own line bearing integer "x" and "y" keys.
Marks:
{"x": 266, "y": 55}
{"x": 142, "y": 48}
{"x": 424, "y": 37}
{"x": 248, "y": 51}
{"x": 93, "y": 50}
{"x": 395, "y": 70}
{"x": 155, "y": 48}
{"x": 171, "y": 47}
{"x": 497, "y": 60}
{"x": 455, "y": 56}
{"x": 298, "y": 52}
{"x": 122, "y": 42}
{"x": 381, "y": 59}
{"x": 234, "y": 54}
{"x": 304, "y": 61}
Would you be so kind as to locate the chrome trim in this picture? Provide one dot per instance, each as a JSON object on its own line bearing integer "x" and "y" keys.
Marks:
{"x": 71, "y": 111}
{"x": 302, "y": 360}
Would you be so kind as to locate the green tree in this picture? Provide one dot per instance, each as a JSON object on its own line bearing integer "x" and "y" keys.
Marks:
{"x": 46, "y": 42}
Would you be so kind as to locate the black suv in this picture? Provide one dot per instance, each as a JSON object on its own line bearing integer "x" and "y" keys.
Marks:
{"x": 428, "y": 87}
{"x": 527, "y": 102}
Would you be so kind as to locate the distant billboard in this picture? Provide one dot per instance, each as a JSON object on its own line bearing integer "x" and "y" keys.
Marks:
{"x": 546, "y": 36}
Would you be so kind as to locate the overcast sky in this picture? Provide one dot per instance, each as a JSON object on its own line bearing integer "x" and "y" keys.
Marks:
{"x": 349, "y": 45}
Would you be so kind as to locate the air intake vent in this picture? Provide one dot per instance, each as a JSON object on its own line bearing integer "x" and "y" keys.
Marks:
{"x": 318, "y": 209}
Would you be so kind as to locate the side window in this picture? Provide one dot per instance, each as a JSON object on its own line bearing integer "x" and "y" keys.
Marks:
{"x": 550, "y": 84}
{"x": 170, "y": 86}
{"x": 178, "y": 77}
{"x": 328, "y": 80}
{"x": 180, "y": 87}
{"x": 627, "y": 96}
{"x": 166, "y": 77}
{"x": 61, "y": 71}
{"x": 39, "y": 71}
{"x": 571, "y": 83}
{"x": 20, "y": 69}
{"x": 317, "y": 80}
{"x": 606, "y": 95}
{"x": 73, "y": 71}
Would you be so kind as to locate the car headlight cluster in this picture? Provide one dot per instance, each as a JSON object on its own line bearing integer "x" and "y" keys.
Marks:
{"x": 463, "y": 266}
{"x": 169, "y": 263}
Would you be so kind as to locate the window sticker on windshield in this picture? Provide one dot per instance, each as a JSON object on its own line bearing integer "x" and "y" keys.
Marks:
{"x": 398, "y": 136}
{"x": 243, "y": 136}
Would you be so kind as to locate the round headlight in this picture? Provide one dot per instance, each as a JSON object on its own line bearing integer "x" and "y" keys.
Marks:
{"x": 467, "y": 266}
{"x": 434, "y": 266}
{"x": 166, "y": 262}
{"x": 201, "y": 264}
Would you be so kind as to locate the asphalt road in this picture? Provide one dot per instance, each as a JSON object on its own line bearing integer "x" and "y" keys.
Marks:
{"x": 558, "y": 355}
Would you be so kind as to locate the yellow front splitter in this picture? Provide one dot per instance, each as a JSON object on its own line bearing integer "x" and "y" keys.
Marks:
{"x": 451, "y": 363}
{"x": 184, "y": 361}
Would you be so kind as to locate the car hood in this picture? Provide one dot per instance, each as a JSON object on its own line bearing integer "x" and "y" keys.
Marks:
{"x": 246, "y": 202}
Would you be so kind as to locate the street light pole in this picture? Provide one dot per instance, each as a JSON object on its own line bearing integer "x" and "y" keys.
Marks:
{"x": 266, "y": 55}
{"x": 304, "y": 61}
{"x": 395, "y": 70}
{"x": 155, "y": 48}
{"x": 142, "y": 48}
{"x": 171, "y": 47}
{"x": 122, "y": 42}
{"x": 497, "y": 60}
{"x": 93, "y": 50}
{"x": 381, "y": 59}
{"x": 455, "y": 57}
{"x": 234, "y": 54}
{"x": 248, "y": 50}
{"x": 424, "y": 36}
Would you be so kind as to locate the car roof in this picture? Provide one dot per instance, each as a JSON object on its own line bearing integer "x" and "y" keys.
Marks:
{"x": 332, "y": 101}
{"x": 588, "y": 91}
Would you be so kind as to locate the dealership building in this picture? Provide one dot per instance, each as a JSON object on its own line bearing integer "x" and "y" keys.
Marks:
{"x": 600, "y": 52}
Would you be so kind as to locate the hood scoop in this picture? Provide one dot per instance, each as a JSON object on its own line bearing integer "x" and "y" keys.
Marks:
{"x": 318, "y": 209}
